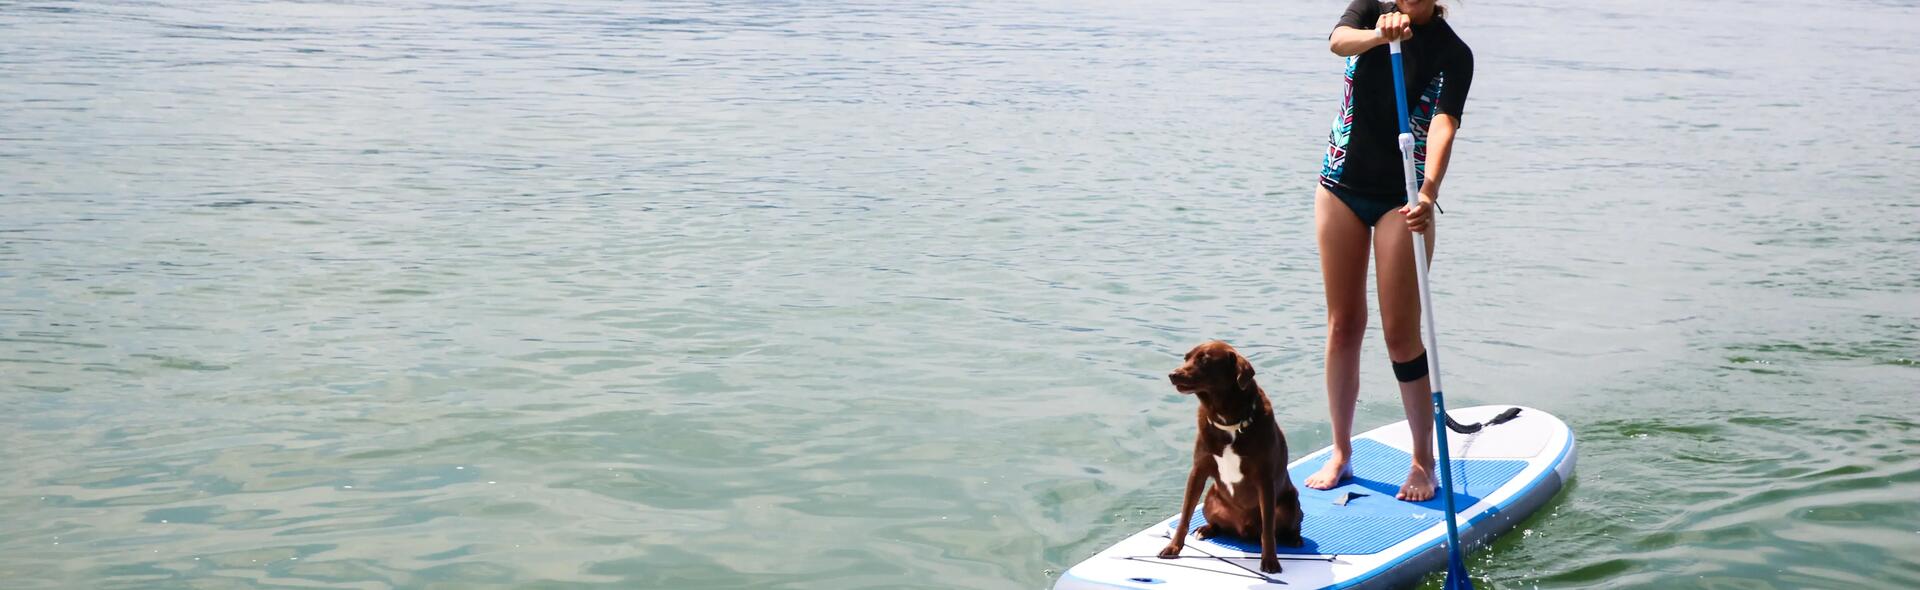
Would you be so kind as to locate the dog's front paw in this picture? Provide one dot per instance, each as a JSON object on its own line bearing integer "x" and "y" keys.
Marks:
{"x": 1295, "y": 541}
{"x": 1172, "y": 551}
{"x": 1270, "y": 565}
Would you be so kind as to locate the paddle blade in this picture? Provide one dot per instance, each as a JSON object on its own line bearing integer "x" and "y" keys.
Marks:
{"x": 1457, "y": 575}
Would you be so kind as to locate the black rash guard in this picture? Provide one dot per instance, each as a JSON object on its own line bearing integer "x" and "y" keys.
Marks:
{"x": 1362, "y": 165}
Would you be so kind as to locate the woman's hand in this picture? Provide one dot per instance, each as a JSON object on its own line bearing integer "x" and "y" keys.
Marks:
{"x": 1394, "y": 26}
{"x": 1348, "y": 41}
{"x": 1420, "y": 214}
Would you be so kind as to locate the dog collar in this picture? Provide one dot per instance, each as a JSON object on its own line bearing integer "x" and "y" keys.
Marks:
{"x": 1235, "y": 428}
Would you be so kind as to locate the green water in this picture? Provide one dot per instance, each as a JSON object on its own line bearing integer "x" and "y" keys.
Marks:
{"x": 842, "y": 295}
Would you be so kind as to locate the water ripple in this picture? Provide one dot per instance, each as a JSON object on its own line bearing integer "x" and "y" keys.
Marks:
{"x": 699, "y": 294}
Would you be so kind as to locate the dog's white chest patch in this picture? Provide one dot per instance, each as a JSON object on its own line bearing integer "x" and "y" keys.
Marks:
{"x": 1229, "y": 464}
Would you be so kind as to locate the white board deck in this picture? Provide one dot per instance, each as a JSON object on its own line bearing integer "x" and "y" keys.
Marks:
{"x": 1502, "y": 474}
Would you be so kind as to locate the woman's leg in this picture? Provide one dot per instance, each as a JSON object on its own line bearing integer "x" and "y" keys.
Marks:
{"x": 1343, "y": 269}
{"x": 1400, "y": 320}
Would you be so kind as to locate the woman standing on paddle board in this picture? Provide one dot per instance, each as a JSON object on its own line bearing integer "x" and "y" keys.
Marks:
{"x": 1361, "y": 205}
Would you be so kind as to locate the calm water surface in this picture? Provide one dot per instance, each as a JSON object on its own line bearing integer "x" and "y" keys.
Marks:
{"x": 880, "y": 295}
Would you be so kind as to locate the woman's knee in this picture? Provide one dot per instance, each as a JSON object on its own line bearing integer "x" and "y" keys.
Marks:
{"x": 1403, "y": 340}
{"x": 1346, "y": 329}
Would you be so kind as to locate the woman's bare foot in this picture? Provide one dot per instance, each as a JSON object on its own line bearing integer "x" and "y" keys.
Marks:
{"x": 1330, "y": 475}
{"x": 1419, "y": 486}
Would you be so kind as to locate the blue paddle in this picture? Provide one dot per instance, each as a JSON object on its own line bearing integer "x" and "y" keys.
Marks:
{"x": 1456, "y": 565}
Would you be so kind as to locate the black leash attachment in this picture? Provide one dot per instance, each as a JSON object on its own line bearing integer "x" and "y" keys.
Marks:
{"x": 1503, "y": 418}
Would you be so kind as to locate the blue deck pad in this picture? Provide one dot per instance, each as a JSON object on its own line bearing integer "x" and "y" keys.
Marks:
{"x": 1376, "y": 521}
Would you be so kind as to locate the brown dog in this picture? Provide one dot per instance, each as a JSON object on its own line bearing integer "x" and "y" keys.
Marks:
{"x": 1242, "y": 448}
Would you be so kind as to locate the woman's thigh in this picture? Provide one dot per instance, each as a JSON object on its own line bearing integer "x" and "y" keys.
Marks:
{"x": 1399, "y": 285}
{"x": 1344, "y": 241}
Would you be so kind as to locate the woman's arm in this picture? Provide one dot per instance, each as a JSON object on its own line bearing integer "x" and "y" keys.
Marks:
{"x": 1348, "y": 41}
{"x": 1439, "y": 149}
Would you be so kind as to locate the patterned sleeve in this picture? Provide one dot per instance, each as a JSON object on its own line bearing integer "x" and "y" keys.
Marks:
{"x": 1453, "y": 96}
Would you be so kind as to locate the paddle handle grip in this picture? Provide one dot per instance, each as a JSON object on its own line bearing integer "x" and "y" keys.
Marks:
{"x": 1392, "y": 46}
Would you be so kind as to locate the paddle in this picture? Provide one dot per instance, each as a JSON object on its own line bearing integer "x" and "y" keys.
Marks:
{"x": 1456, "y": 566}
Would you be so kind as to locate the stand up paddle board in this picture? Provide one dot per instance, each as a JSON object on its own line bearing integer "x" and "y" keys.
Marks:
{"x": 1357, "y": 534}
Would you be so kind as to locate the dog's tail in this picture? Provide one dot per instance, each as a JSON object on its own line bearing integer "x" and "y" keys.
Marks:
{"x": 1476, "y": 427}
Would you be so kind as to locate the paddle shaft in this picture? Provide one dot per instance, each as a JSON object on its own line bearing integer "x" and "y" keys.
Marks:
{"x": 1454, "y": 555}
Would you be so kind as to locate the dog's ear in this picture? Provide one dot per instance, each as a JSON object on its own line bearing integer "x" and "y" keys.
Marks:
{"x": 1243, "y": 372}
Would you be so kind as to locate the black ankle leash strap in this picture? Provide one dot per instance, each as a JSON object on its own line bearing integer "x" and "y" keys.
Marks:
{"x": 1503, "y": 418}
